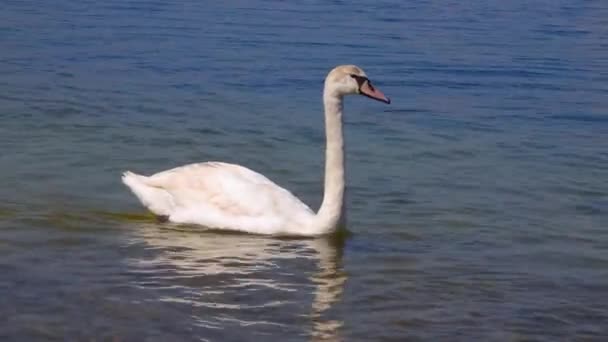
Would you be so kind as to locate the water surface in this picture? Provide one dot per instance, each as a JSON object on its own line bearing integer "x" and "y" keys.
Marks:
{"x": 477, "y": 201}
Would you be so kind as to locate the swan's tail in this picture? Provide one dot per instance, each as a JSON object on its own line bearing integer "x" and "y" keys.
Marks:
{"x": 157, "y": 200}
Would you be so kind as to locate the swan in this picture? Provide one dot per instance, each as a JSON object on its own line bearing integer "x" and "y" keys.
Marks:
{"x": 226, "y": 196}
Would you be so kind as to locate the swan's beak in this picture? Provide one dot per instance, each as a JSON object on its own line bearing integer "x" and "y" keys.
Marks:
{"x": 368, "y": 90}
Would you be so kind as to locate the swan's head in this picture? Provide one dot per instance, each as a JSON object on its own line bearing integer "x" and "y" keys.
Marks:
{"x": 350, "y": 79}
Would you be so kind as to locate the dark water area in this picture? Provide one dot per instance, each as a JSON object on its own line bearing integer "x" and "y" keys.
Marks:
{"x": 477, "y": 201}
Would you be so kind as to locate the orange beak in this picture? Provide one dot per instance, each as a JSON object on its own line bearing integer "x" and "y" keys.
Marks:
{"x": 368, "y": 90}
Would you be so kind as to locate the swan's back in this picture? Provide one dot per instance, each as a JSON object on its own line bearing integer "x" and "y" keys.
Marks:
{"x": 223, "y": 196}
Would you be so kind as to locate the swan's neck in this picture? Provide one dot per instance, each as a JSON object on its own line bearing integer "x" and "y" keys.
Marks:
{"x": 330, "y": 213}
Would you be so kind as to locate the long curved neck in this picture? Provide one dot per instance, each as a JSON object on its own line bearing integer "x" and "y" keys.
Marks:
{"x": 331, "y": 209}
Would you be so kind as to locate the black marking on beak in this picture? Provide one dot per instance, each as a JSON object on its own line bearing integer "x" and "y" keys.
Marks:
{"x": 360, "y": 80}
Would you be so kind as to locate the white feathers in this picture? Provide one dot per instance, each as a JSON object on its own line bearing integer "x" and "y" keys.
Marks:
{"x": 223, "y": 196}
{"x": 157, "y": 200}
{"x": 232, "y": 197}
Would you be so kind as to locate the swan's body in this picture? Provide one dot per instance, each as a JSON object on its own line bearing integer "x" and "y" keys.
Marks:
{"x": 232, "y": 197}
{"x": 220, "y": 195}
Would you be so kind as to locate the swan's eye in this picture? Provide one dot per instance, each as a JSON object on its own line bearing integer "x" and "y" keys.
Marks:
{"x": 360, "y": 79}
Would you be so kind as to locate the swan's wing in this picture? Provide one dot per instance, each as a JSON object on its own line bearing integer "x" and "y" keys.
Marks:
{"x": 222, "y": 195}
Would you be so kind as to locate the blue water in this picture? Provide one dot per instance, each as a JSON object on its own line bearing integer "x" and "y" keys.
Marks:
{"x": 477, "y": 201}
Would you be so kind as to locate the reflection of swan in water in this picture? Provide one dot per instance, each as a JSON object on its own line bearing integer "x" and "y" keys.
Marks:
{"x": 235, "y": 274}
{"x": 330, "y": 280}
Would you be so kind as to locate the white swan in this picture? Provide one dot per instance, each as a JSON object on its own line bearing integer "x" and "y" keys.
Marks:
{"x": 231, "y": 197}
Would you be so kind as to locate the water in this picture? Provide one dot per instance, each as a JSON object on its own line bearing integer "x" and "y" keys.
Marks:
{"x": 477, "y": 202}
